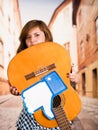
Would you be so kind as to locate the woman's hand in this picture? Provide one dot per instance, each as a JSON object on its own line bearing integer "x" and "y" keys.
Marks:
{"x": 74, "y": 77}
{"x": 13, "y": 90}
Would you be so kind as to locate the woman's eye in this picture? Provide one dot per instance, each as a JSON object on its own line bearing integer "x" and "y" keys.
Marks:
{"x": 37, "y": 34}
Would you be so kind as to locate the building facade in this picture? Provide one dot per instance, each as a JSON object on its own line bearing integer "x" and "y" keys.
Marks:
{"x": 87, "y": 42}
{"x": 10, "y": 27}
{"x": 63, "y": 30}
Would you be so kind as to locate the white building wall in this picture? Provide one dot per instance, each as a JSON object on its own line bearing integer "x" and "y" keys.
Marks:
{"x": 63, "y": 31}
{"x": 9, "y": 30}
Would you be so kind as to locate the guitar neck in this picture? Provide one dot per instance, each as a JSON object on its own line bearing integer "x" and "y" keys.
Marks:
{"x": 61, "y": 117}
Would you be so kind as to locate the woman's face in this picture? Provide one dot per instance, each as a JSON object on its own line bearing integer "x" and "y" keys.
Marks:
{"x": 35, "y": 36}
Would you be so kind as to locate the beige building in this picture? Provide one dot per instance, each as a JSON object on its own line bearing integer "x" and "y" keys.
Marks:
{"x": 63, "y": 30}
{"x": 76, "y": 22}
{"x": 87, "y": 39}
{"x": 10, "y": 27}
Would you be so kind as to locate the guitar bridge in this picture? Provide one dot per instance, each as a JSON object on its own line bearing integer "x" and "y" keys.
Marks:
{"x": 40, "y": 71}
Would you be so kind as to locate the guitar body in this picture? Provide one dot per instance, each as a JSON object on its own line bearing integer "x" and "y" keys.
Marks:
{"x": 30, "y": 65}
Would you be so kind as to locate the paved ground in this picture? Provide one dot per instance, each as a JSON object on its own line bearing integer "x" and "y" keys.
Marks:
{"x": 10, "y": 107}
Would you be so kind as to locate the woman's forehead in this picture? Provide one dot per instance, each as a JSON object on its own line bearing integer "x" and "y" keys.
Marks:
{"x": 35, "y": 29}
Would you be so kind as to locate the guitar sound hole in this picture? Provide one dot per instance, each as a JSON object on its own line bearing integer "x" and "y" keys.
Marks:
{"x": 56, "y": 101}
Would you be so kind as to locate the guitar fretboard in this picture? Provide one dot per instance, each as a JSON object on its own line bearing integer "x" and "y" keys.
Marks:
{"x": 61, "y": 117}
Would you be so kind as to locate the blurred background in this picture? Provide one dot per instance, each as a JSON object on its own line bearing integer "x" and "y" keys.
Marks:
{"x": 74, "y": 25}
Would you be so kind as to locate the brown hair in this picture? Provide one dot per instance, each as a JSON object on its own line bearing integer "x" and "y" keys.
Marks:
{"x": 29, "y": 25}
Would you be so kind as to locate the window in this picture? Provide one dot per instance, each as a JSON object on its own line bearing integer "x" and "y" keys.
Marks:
{"x": 96, "y": 30}
{"x": 94, "y": 78}
{"x": 82, "y": 49}
{"x": 83, "y": 84}
{"x": 67, "y": 46}
{"x": 1, "y": 53}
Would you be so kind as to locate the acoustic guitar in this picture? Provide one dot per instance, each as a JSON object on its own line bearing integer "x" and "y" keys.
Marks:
{"x": 30, "y": 65}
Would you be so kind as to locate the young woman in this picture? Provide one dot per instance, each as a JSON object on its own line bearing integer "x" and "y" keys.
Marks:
{"x": 34, "y": 32}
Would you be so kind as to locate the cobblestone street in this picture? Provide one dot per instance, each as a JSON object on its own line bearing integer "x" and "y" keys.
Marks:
{"x": 10, "y": 107}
